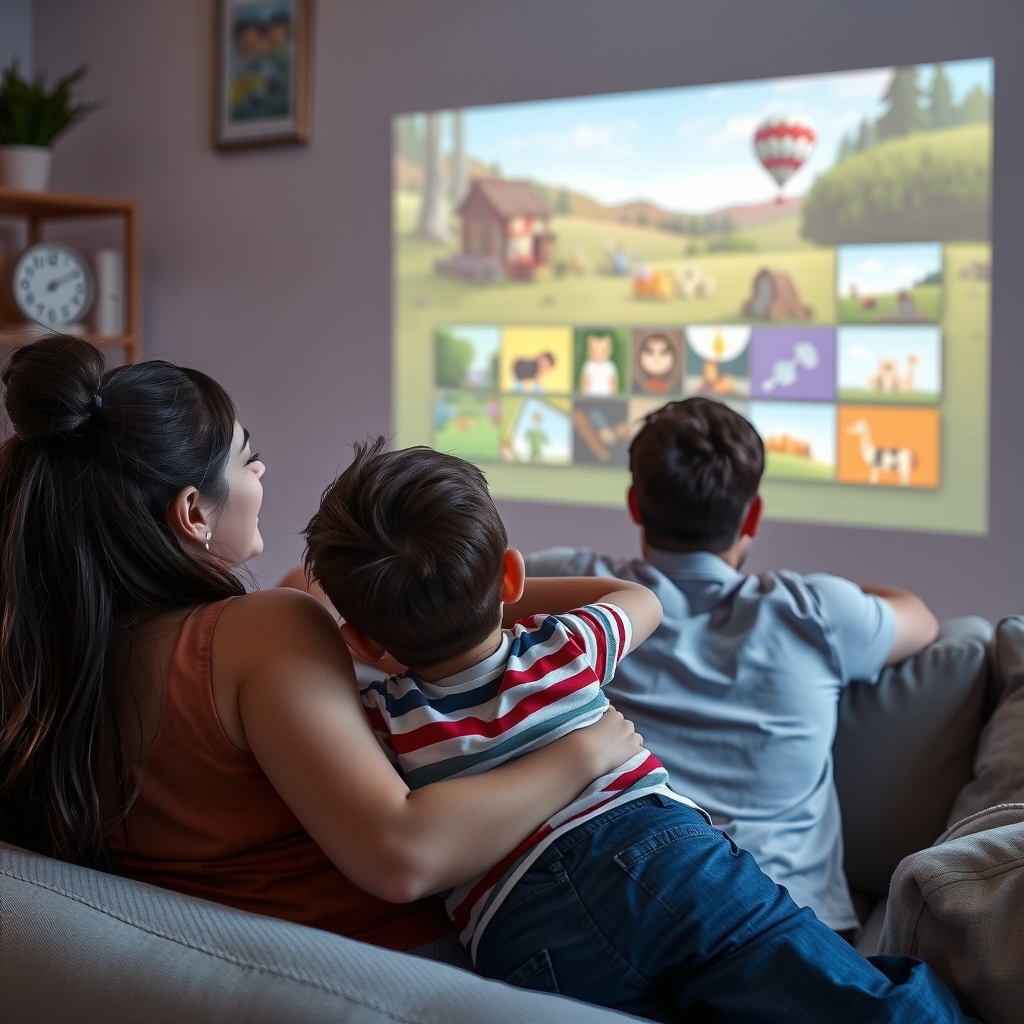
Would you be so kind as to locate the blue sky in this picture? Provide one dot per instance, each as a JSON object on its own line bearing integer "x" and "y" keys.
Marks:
{"x": 860, "y": 348}
{"x": 882, "y": 269}
{"x": 812, "y": 422}
{"x": 688, "y": 149}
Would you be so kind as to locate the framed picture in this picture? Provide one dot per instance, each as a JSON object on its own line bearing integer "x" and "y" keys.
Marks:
{"x": 262, "y": 74}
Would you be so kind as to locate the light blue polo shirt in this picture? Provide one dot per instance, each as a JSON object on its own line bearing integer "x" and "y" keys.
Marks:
{"x": 737, "y": 692}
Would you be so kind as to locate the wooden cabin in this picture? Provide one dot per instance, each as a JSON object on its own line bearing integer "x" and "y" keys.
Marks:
{"x": 507, "y": 222}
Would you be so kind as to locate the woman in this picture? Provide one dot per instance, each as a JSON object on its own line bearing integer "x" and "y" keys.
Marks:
{"x": 157, "y": 719}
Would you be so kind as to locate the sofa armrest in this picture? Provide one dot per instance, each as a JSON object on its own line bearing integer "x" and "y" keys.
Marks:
{"x": 80, "y": 945}
{"x": 904, "y": 748}
{"x": 957, "y": 906}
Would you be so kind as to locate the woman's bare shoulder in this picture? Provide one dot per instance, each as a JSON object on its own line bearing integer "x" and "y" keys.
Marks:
{"x": 276, "y": 616}
{"x": 271, "y": 643}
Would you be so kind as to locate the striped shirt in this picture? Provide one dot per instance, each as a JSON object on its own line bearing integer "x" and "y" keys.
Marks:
{"x": 544, "y": 681}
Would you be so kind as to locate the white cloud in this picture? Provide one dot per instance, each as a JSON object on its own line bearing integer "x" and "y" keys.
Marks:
{"x": 797, "y": 84}
{"x": 908, "y": 273}
{"x": 737, "y": 129}
{"x": 871, "y": 266}
{"x": 862, "y": 84}
{"x": 860, "y": 352}
{"x": 604, "y": 140}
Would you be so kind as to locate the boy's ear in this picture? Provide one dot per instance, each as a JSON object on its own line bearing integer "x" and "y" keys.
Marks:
{"x": 753, "y": 518}
{"x": 634, "y": 505}
{"x": 369, "y": 650}
{"x": 513, "y": 577}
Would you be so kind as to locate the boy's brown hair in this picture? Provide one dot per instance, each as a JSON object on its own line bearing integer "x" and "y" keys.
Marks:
{"x": 410, "y": 549}
{"x": 696, "y": 467}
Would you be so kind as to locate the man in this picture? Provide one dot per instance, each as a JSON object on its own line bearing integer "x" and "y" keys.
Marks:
{"x": 737, "y": 691}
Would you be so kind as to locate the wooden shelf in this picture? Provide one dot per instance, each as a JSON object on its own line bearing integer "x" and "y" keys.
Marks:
{"x": 37, "y": 208}
{"x": 29, "y": 203}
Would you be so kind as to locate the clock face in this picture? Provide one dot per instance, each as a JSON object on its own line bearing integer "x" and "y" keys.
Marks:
{"x": 53, "y": 284}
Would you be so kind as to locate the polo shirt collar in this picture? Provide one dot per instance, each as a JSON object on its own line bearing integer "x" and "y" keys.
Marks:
{"x": 692, "y": 565}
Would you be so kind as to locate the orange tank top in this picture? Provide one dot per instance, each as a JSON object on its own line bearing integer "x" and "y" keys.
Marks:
{"x": 208, "y": 823}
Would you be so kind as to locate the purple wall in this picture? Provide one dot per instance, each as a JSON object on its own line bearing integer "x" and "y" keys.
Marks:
{"x": 271, "y": 269}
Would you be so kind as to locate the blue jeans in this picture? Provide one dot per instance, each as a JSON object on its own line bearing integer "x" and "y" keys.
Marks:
{"x": 650, "y": 910}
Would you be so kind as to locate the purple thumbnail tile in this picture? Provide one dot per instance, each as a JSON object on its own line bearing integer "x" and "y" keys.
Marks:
{"x": 793, "y": 362}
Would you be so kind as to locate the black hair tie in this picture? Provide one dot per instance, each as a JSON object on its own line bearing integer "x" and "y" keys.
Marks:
{"x": 97, "y": 406}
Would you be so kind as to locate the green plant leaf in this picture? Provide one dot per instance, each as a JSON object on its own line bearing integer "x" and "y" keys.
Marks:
{"x": 31, "y": 115}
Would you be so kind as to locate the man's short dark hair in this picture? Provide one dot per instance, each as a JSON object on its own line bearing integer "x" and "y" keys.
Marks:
{"x": 696, "y": 467}
{"x": 410, "y": 549}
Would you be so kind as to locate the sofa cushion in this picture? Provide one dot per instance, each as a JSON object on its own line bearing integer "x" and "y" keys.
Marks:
{"x": 905, "y": 747}
{"x": 79, "y": 945}
{"x": 999, "y": 763}
{"x": 957, "y": 906}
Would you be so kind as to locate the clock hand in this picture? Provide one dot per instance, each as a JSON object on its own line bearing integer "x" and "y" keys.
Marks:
{"x": 58, "y": 281}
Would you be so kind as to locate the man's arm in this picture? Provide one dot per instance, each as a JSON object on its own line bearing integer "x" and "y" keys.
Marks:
{"x": 554, "y": 595}
{"x": 916, "y": 626}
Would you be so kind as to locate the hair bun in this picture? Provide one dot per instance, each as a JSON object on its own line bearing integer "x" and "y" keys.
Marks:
{"x": 50, "y": 386}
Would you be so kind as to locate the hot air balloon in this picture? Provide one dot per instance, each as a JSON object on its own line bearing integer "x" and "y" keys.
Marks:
{"x": 783, "y": 144}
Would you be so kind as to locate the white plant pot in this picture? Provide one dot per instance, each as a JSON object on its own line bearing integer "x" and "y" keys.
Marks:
{"x": 25, "y": 167}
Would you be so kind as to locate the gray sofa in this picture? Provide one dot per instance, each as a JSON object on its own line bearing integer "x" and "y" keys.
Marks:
{"x": 959, "y": 905}
{"x": 81, "y": 946}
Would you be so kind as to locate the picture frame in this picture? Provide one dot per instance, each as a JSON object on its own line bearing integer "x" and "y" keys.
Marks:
{"x": 262, "y": 73}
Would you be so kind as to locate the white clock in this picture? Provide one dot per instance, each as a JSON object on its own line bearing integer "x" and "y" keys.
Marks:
{"x": 53, "y": 284}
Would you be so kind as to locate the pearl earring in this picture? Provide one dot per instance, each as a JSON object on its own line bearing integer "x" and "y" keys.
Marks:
{"x": 208, "y": 536}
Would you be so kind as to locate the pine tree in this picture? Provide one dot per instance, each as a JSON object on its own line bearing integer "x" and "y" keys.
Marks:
{"x": 867, "y": 135}
{"x": 941, "y": 111}
{"x": 976, "y": 107}
{"x": 904, "y": 114}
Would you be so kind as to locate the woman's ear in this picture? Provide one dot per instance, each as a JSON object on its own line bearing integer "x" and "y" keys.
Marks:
{"x": 513, "y": 577}
{"x": 186, "y": 518}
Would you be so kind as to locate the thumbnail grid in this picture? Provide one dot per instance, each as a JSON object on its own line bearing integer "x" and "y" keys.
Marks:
{"x": 853, "y": 404}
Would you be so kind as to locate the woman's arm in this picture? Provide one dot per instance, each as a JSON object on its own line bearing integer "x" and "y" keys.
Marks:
{"x": 285, "y": 690}
{"x": 556, "y": 594}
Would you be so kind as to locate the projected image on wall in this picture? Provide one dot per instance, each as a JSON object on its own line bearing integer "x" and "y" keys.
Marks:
{"x": 813, "y": 251}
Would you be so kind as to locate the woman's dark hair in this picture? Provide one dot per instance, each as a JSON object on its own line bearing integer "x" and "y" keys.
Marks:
{"x": 85, "y": 481}
{"x": 410, "y": 549}
{"x": 696, "y": 467}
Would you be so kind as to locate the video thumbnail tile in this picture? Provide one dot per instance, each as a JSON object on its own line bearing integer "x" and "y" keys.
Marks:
{"x": 601, "y": 361}
{"x": 466, "y": 356}
{"x": 890, "y": 364}
{"x": 602, "y": 432}
{"x": 799, "y": 439}
{"x": 657, "y": 361}
{"x": 536, "y": 430}
{"x": 889, "y": 447}
{"x": 536, "y": 360}
{"x": 718, "y": 361}
{"x": 468, "y": 424}
{"x": 793, "y": 362}
{"x": 894, "y": 283}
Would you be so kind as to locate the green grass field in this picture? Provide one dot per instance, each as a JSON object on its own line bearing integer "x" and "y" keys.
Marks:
{"x": 476, "y": 439}
{"x": 782, "y": 466}
{"x": 927, "y": 299}
{"x": 424, "y": 298}
{"x": 860, "y": 395}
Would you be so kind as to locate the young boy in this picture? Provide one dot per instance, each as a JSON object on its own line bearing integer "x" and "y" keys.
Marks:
{"x": 628, "y": 897}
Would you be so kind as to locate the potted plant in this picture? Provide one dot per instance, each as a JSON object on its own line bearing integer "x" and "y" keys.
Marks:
{"x": 31, "y": 119}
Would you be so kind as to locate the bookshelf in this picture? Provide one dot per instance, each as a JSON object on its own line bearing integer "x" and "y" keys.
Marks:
{"x": 37, "y": 209}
